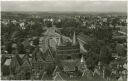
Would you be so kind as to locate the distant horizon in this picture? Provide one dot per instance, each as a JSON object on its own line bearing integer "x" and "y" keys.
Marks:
{"x": 65, "y": 6}
{"x": 61, "y": 12}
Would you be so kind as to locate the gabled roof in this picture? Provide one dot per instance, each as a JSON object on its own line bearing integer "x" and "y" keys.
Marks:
{"x": 57, "y": 69}
{"x": 37, "y": 55}
{"x": 86, "y": 74}
{"x": 26, "y": 63}
{"x": 33, "y": 59}
{"x": 26, "y": 60}
{"x": 21, "y": 55}
{"x": 30, "y": 55}
{"x": 58, "y": 76}
{"x": 19, "y": 59}
{"x": 64, "y": 76}
{"x": 45, "y": 76}
{"x": 16, "y": 61}
{"x": 49, "y": 56}
{"x": 26, "y": 56}
{"x": 3, "y": 59}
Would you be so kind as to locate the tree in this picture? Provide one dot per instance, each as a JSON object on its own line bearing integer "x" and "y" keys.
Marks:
{"x": 9, "y": 47}
{"x": 92, "y": 60}
{"x": 36, "y": 30}
{"x": 5, "y": 70}
{"x": 105, "y": 55}
{"x": 104, "y": 33}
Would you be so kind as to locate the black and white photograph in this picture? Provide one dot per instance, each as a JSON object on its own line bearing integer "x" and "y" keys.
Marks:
{"x": 64, "y": 40}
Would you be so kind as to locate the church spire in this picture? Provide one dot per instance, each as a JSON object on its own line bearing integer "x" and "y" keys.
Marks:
{"x": 74, "y": 39}
{"x": 82, "y": 59}
{"x": 60, "y": 41}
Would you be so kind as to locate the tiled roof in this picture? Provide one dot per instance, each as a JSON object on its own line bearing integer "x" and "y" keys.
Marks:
{"x": 26, "y": 63}
{"x": 49, "y": 56}
{"x": 27, "y": 60}
{"x": 7, "y": 62}
{"x": 37, "y": 55}
{"x": 16, "y": 61}
{"x": 64, "y": 76}
{"x": 3, "y": 59}
{"x": 86, "y": 74}
{"x": 21, "y": 55}
{"x": 84, "y": 38}
{"x": 19, "y": 59}
{"x": 51, "y": 32}
{"x": 68, "y": 49}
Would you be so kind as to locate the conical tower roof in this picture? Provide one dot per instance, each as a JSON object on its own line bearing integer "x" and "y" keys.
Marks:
{"x": 82, "y": 59}
{"x": 74, "y": 39}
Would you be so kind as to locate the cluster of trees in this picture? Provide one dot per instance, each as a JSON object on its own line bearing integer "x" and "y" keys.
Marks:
{"x": 13, "y": 33}
{"x": 101, "y": 50}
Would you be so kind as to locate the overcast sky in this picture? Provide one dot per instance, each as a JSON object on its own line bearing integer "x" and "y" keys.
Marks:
{"x": 69, "y": 6}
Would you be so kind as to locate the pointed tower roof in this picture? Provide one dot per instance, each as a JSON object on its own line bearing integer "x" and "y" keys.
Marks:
{"x": 60, "y": 41}
{"x": 82, "y": 64}
{"x": 82, "y": 59}
{"x": 74, "y": 39}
